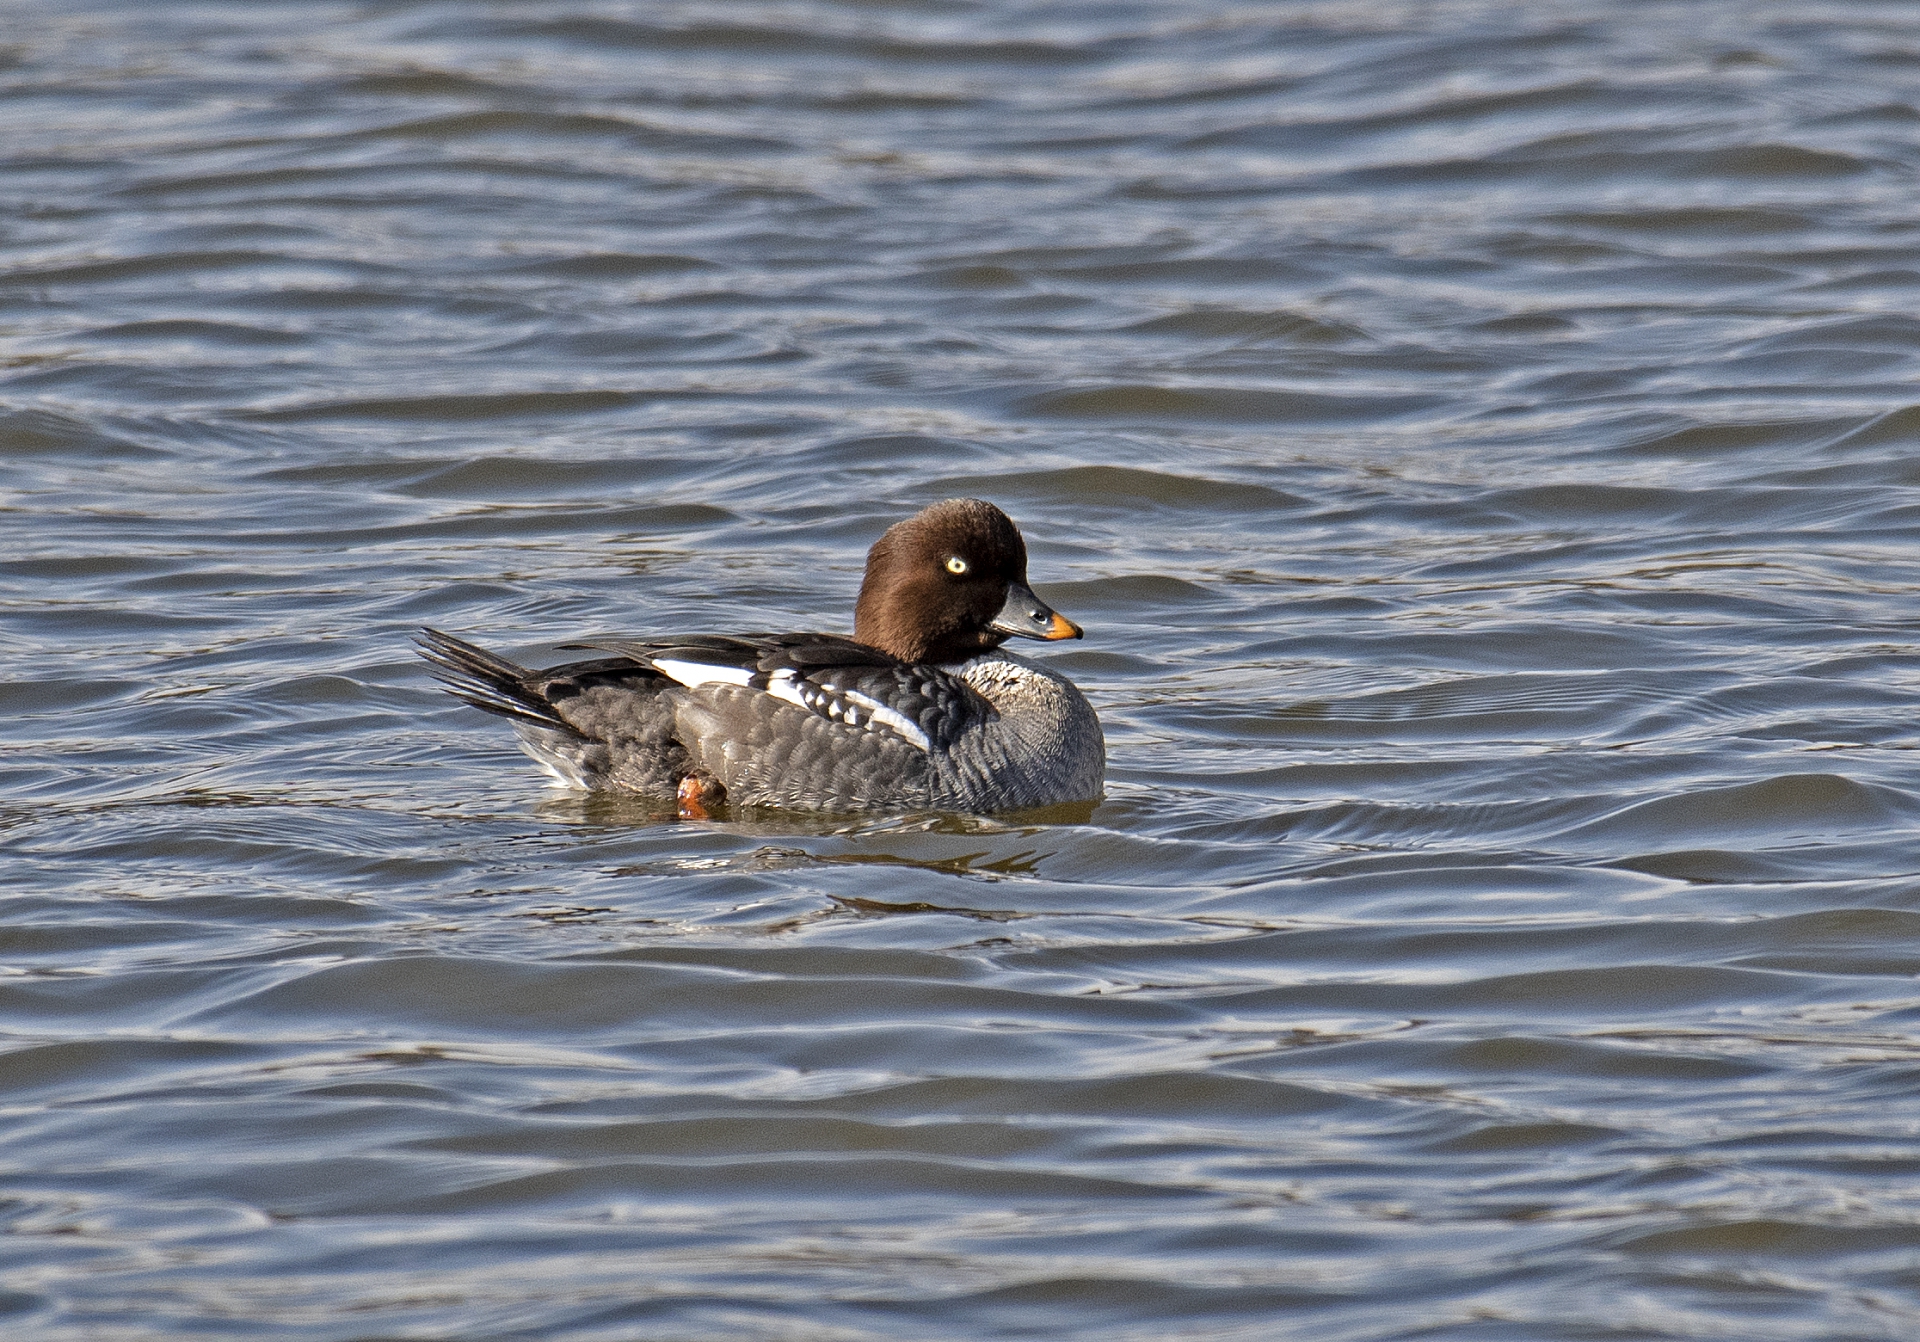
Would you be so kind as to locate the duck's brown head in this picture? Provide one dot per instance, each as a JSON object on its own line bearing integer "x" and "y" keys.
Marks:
{"x": 950, "y": 583}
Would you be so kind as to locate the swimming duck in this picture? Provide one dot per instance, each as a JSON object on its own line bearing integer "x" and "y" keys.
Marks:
{"x": 919, "y": 710}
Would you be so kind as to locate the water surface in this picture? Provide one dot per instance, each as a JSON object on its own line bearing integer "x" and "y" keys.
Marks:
{"x": 1480, "y": 440}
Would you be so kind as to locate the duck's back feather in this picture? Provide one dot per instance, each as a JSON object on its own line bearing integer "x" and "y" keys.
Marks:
{"x": 830, "y": 677}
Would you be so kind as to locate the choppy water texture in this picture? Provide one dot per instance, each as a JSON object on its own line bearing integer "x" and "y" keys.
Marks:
{"x": 1481, "y": 441}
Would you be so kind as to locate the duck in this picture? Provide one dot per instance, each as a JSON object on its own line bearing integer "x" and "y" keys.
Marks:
{"x": 922, "y": 709}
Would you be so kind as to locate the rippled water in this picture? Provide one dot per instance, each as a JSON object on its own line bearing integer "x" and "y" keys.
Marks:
{"x": 1480, "y": 440}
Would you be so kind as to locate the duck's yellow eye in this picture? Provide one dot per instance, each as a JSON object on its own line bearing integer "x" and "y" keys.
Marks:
{"x": 956, "y": 565}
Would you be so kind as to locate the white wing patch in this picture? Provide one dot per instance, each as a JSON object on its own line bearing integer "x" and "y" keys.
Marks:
{"x": 782, "y": 685}
{"x": 892, "y": 719}
{"x": 847, "y": 706}
{"x": 700, "y": 673}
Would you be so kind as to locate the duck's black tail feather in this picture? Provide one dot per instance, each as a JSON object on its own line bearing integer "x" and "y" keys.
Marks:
{"x": 488, "y": 681}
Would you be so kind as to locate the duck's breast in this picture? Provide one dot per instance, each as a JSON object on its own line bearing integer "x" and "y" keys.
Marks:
{"x": 1041, "y": 746}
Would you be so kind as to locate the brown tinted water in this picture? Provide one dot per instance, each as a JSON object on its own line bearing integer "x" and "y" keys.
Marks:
{"x": 1480, "y": 440}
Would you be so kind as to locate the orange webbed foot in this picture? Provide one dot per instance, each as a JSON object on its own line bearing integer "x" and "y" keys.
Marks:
{"x": 698, "y": 796}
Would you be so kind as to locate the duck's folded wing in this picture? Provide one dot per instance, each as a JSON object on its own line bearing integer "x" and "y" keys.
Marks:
{"x": 825, "y": 675}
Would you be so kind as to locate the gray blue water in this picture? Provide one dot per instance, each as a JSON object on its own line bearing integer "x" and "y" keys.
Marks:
{"x": 1481, "y": 440}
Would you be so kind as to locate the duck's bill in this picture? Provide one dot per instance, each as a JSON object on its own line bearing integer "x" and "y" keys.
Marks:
{"x": 1026, "y": 616}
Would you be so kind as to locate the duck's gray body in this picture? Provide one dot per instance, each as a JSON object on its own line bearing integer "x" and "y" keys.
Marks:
{"x": 994, "y": 733}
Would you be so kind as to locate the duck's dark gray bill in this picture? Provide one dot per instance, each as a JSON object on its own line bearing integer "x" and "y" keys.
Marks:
{"x": 1026, "y": 616}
